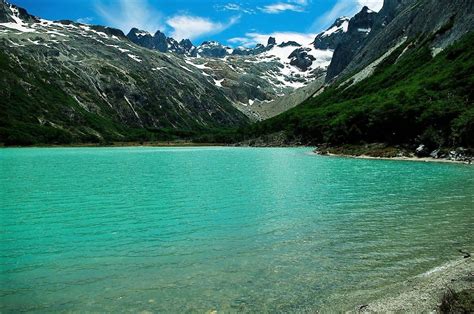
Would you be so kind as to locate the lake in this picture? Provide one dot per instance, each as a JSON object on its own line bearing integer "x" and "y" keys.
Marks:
{"x": 226, "y": 229}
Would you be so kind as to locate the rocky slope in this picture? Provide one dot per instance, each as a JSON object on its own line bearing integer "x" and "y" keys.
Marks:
{"x": 259, "y": 81}
{"x": 408, "y": 83}
{"x": 398, "y": 20}
{"x": 106, "y": 83}
{"x": 78, "y": 82}
{"x": 358, "y": 29}
{"x": 333, "y": 36}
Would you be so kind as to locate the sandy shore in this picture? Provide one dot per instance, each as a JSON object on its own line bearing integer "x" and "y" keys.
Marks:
{"x": 422, "y": 159}
{"x": 424, "y": 292}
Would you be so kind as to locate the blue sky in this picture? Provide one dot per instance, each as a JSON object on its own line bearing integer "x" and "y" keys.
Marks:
{"x": 232, "y": 22}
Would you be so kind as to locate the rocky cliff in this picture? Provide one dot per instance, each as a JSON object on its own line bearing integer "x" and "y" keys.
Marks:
{"x": 399, "y": 20}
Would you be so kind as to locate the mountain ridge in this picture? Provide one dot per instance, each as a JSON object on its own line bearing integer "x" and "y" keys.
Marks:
{"x": 122, "y": 86}
{"x": 406, "y": 84}
{"x": 65, "y": 81}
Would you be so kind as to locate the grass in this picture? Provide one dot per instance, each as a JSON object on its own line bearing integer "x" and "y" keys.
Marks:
{"x": 457, "y": 302}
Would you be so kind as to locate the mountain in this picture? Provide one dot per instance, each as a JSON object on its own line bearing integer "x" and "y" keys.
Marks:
{"x": 408, "y": 81}
{"x": 109, "y": 86}
{"x": 68, "y": 82}
{"x": 349, "y": 42}
{"x": 331, "y": 38}
{"x": 63, "y": 81}
{"x": 398, "y": 21}
{"x": 160, "y": 42}
{"x": 274, "y": 69}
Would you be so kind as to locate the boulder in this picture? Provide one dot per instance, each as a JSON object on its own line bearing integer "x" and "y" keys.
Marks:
{"x": 422, "y": 151}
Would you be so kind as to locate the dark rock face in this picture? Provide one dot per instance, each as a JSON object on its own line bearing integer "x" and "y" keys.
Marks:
{"x": 212, "y": 49}
{"x": 25, "y": 16}
{"x": 141, "y": 38}
{"x": 66, "y": 22}
{"x": 5, "y": 13}
{"x": 301, "y": 59}
{"x": 109, "y": 31}
{"x": 259, "y": 48}
{"x": 444, "y": 21}
{"x": 186, "y": 47}
{"x": 271, "y": 41}
{"x": 242, "y": 52}
{"x": 350, "y": 42}
{"x": 289, "y": 43}
{"x": 333, "y": 36}
{"x": 160, "y": 42}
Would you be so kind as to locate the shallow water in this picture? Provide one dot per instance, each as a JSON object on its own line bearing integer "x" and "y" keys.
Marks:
{"x": 227, "y": 229}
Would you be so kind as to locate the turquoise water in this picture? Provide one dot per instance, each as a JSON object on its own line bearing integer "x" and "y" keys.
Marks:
{"x": 226, "y": 229}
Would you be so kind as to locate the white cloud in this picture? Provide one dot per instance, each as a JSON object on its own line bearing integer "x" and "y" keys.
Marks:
{"x": 126, "y": 14}
{"x": 289, "y": 5}
{"x": 374, "y": 5}
{"x": 238, "y": 41}
{"x": 276, "y": 8}
{"x": 344, "y": 8}
{"x": 85, "y": 20}
{"x": 234, "y": 7}
{"x": 192, "y": 27}
{"x": 251, "y": 39}
{"x": 300, "y": 2}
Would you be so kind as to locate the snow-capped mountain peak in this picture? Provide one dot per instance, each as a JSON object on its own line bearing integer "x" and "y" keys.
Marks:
{"x": 340, "y": 26}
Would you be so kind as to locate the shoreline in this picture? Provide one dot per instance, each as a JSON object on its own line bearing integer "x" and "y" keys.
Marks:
{"x": 425, "y": 292}
{"x": 193, "y": 144}
{"x": 121, "y": 144}
{"x": 417, "y": 159}
{"x": 401, "y": 153}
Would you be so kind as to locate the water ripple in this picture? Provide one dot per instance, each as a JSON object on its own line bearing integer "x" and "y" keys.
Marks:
{"x": 231, "y": 229}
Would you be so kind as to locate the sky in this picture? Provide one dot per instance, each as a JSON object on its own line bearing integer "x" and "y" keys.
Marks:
{"x": 231, "y": 22}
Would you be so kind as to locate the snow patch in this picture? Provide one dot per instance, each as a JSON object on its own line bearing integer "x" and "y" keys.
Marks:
{"x": 199, "y": 66}
{"x": 18, "y": 25}
{"x": 134, "y": 57}
{"x": 56, "y": 33}
{"x": 218, "y": 83}
{"x": 435, "y": 51}
{"x": 182, "y": 66}
{"x": 131, "y": 107}
{"x": 342, "y": 28}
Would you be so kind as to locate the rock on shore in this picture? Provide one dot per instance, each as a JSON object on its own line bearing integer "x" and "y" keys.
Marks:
{"x": 425, "y": 292}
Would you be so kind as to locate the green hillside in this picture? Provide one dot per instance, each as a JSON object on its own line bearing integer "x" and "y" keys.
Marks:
{"x": 411, "y": 98}
{"x": 36, "y": 109}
